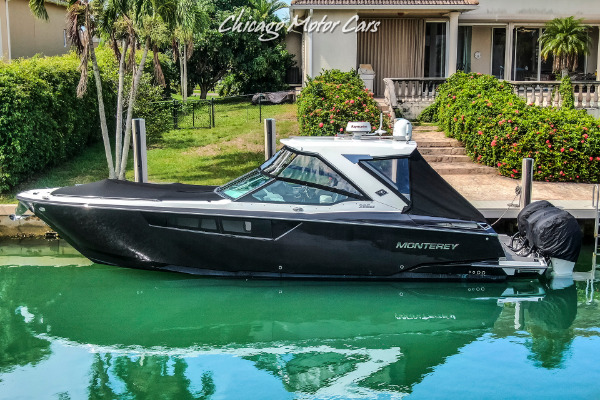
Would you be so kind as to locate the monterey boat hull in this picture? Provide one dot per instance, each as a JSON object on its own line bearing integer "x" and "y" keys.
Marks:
{"x": 261, "y": 244}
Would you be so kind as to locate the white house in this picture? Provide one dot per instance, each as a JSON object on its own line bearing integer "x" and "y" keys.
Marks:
{"x": 435, "y": 38}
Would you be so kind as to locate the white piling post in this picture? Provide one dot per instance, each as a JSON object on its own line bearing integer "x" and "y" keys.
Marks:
{"x": 270, "y": 138}
{"x": 140, "y": 160}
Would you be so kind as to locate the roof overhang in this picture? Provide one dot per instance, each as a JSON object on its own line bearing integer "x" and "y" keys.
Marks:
{"x": 429, "y": 5}
{"x": 384, "y": 7}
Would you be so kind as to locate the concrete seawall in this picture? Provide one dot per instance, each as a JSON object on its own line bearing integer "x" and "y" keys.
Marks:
{"x": 26, "y": 227}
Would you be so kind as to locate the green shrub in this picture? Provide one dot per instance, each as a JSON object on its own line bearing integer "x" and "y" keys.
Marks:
{"x": 429, "y": 114}
{"x": 43, "y": 123}
{"x": 331, "y": 100}
{"x": 499, "y": 129}
{"x": 566, "y": 93}
{"x": 150, "y": 106}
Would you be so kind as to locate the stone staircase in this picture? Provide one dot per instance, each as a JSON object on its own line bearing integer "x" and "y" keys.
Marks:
{"x": 446, "y": 155}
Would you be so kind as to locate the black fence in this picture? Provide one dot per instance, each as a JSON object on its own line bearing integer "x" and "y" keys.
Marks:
{"x": 208, "y": 113}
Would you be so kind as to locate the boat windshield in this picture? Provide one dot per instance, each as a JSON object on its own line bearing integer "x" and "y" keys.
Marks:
{"x": 294, "y": 176}
{"x": 244, "y": 184}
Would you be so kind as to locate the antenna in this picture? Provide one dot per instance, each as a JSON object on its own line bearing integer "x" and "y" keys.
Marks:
{"x": 380, "y": 131}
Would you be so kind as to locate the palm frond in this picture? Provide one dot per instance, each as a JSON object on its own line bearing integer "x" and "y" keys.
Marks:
{"x": 38, "y": 8}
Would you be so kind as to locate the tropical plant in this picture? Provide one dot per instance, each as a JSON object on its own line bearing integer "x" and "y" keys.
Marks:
{"x": 499, "y": 129}
{"x": 331, "y": 100}
{"x": 189, "y": 19}
{"x": 565, "y": 39}
{"x": 239, "y": 60}
{"x": 267, "y": 8}
{"x": 80, "y": 31}
{"x": 136, "y": 23}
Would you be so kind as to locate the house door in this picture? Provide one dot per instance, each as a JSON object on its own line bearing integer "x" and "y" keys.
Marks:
{"x": 435, "y": 50}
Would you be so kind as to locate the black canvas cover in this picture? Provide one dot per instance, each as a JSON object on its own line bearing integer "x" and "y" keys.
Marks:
{"x": 522, "y": 218}
{"x": 117, "y": 189}
{"x": 432, "y": 196}
{"x": 554, "y": 233}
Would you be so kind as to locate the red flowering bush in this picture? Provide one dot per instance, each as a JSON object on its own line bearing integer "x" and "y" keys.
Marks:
{"x": 499, "y": 129}
{"x": 331, "y": 100}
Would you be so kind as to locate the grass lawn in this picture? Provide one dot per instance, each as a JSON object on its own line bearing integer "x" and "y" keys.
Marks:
{"x": 199, "y": 156}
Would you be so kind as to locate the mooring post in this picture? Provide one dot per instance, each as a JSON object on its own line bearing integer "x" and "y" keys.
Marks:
{"x": 175, "y": 114}
{"x": 140, "y": 160}
{"x": 527, "y": 181}
{"x": 270, "y": 138}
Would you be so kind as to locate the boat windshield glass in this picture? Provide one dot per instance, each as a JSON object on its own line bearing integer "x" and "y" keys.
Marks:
{"x": 279, "y": 191}
{"x": 393, "y": 171}
{"x": 243, "y": 184}
{"x": 308, "y": 169}
{"x": 297, "y": 178}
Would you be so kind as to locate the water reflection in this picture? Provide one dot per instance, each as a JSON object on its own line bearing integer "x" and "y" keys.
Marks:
{"x": 139, "y": 333}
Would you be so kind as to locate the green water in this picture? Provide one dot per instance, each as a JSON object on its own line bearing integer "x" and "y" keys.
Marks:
{"x": 70, "y": 329}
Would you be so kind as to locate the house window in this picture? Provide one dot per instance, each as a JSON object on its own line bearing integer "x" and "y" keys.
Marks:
{"x": 435, "y": 49}
{"x": 463, "y": 59}
{"x": 498, "y": 52}
{"x": 526, "y": 53}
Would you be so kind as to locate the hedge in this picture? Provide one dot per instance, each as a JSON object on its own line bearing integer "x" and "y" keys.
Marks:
{"x": 331, "y": 100}
{"x": 499, "y": 129}
{"x": 43, "y": 123}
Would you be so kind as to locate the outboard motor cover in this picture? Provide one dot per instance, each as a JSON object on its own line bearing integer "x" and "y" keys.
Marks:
{"x": 555, "y": 233}
{"x": 522, "y": 218}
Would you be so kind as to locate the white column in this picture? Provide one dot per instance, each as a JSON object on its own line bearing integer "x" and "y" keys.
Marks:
{"x": 1, "y": 48}
{"x": 310, "y": 49}
{"x": 452, "y": 43}
{"x": 9, "y": 50}
{"x": 508, "y": 51}
{"x": 598, "y": 58}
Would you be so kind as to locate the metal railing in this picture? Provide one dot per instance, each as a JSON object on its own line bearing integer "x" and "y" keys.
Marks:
{"x": 540, "y": 93}
{"x": 207, "y": 113}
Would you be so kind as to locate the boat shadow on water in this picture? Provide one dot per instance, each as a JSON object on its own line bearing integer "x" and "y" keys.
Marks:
{"x": 317, "y": 339}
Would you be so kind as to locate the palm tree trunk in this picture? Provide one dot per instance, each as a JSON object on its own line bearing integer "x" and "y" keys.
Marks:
{"x": 185, "y": 81}
{"x": 119, "y": 128}
{"x": 103, "y": 127}
{"x": 181, "y": 73}
{"x": 132, "y": 95}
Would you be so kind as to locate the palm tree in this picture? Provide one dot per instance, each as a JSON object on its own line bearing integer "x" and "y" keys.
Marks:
{"x": 138, "y": 23}
{"x": 565, "y": 39}
{"x": 267, "y": 8}
{"x": 81, "y": 30}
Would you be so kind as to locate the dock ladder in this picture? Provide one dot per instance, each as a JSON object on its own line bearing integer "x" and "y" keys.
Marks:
{"x": 595, "y": 204}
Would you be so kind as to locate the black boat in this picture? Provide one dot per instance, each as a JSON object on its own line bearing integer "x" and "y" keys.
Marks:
{"x": 324, "y": 207}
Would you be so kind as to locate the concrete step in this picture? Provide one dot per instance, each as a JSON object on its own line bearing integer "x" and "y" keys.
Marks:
{"x": 463, "y": 169}
{"x": 441, "y": 151}
{"x": 426, "y": 128}
{"x": 437, "y": 143}
{"x": 447, "y": 158}
{"x": 431, "y": 135}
